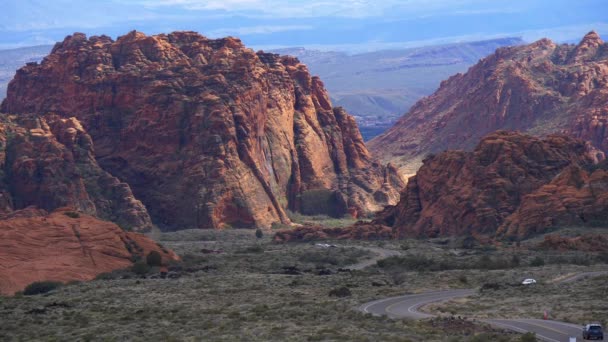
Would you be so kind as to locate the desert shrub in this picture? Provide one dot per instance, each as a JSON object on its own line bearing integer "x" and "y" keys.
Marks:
{"x": 39, "y": 287}
{"x": 485, "y": 337}
{"x": 537, "y": 261}
{"x": 251, "y": 249}
{"x": 528, "y": 337}
{"x": 515, "y": 261}
{"x": 140, "y": 268}
{"x": 258, "y": 233}
{"x": 417, "y": 263}
{"x": 603, "y": 257}
{"x": 340, "y": 292}
{"x": 490, "y": 286}
{"x": 468, "y": 242}
{"x": 463, "y": 279}
{"x": 72, "y": 214}
{"x": 154, "y": 259}
{"x": 319, "y": 258}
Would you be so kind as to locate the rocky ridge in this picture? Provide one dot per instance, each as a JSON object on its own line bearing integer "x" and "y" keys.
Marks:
{"x": 510, "y": 186}
{"x": 540, "y": 88}
{"x": 206, "y": 132}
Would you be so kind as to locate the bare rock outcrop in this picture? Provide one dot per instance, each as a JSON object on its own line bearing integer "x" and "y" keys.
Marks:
{"x": 48, "y": 162}
{"x": 576, "y": 197}
{"x": 458, "y": 193}
{"x": 206, "y": 132}
{"x": 65, "y": 246}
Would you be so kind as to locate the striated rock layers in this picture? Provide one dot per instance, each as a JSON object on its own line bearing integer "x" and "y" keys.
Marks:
{"x": 207, "y": 132}
{"x": 512, "y": 185}
{"x": 575, "y": 197}
{"x": 541, "y": 88}
{"x": 36, "y": 246}
{"x": 48, "y": 162}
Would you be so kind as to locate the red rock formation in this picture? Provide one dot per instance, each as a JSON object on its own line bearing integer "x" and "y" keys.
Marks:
{"x": 461, "y": 193}
{"x": 540, "y": 88}
{"x": 359, "y": 231}
{"x": 574, "y": 198}
{"x": 207, "y": 132}
{"x": 48, "y": 162}
{"x": 38, "y": 246}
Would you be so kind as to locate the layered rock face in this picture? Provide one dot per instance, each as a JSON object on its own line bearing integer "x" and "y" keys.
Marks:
{"x": 207, "y": 132}
{"x": 503, "y": 186}
{"x": 37, "y": 246}
{"x": 540, "y": 88}
{"x": 48, "y": 162}
{"x": 575, "y": 197}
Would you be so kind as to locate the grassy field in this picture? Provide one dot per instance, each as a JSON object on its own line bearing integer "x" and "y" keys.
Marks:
{"x": 232, "y": 286}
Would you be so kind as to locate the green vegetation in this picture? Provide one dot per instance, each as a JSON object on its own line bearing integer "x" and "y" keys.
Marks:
{"x": 528, "y": 337}
{"x": 231, "y": 286}
{"x": 140, "y": 268}
{"x": 40, "y": 287}
{"x": 321, "y": 220}
{"x": 259, "y": 233}
{"x": 154, "y": 259}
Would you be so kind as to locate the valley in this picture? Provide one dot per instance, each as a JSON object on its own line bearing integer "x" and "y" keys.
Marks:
{"x": 445, "y": 184}
{"x": 232, "y": 285}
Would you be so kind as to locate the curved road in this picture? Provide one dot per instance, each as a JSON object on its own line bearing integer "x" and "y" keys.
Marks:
{"x": 407, "y": 306}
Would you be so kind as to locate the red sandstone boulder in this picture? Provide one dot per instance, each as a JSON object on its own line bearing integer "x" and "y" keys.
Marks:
{"x": 206, "y": 132}
{"x": 64, "y": 248}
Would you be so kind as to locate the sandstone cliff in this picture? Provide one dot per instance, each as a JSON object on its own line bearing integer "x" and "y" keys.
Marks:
{"x": 575, "y": 197}
{"x": 48, "y": 162}
{"x": 207, "y": 132}
{"x": 541, "y": 88}
{"x": 508, "y": 185}
{"x": 37, "y": 246}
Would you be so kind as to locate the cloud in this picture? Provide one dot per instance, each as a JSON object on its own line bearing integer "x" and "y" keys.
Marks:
{"x": 261, "y": 29}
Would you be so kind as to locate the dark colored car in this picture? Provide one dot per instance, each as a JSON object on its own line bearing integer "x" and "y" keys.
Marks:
{"x": 593, "y": 332}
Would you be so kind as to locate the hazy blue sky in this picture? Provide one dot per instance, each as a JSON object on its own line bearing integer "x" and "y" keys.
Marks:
{"x": 329, "y": 24}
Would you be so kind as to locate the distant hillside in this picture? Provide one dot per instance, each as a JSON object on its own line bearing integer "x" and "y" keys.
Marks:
{"x": 540, "y": 88}
{"x": 11, "y": 60}
{"x": 378, "y": 87}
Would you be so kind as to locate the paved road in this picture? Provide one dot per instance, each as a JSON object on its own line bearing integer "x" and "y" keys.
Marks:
{"x": 407, "y": 306}
{"x": 551, "y": 331}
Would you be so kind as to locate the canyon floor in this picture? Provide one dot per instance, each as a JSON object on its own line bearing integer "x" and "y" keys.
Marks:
{"x": 233, "y": 286}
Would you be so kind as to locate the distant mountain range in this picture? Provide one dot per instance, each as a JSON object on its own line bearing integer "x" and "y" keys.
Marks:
{"x": 11, "y": 60}
{"x": 376, "y": 87}
{"x": 540, "y": 88}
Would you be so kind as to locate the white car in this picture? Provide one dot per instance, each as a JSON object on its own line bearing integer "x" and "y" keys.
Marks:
{"x": 528, "y": 281}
